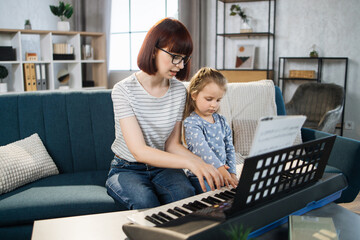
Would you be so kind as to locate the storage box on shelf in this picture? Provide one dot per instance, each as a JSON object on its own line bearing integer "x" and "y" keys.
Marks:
{"x": 41, "y": 42}
{"x": 262, "y": 36}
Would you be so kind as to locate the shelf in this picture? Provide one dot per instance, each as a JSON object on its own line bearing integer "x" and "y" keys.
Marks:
{"x": 235, "y": 1}
{"x": 92, "y": 61}
{"x": 299, "y": 79}
{"x": 9, "y": 62}
{"x": 250, "y": 34}
{"x": 42, "y": 43}
{"x": 262, "y": 38}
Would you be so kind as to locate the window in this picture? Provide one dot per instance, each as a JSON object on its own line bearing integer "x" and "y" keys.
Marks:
{"x": 130, "y": 21}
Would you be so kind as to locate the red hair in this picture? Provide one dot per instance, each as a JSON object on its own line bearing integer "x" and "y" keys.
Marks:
{"x": 167, "y": 33}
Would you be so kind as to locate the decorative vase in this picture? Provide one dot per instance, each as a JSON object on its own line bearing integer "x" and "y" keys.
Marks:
{"x": 245, "y": 26}
{"x": 3, "y": 87}
{"x": 63, "y": 26}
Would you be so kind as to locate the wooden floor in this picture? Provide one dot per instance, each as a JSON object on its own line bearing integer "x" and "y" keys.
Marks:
{"x": 353, "y": 206}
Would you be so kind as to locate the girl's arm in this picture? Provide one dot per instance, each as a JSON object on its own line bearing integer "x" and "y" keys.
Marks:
{"x": 175, "y": 157}
{"x": 195, "y": 138}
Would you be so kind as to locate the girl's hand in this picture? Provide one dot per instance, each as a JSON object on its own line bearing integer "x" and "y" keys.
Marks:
{"x": 233, "y": 176}
{"x": 228, "y": 178}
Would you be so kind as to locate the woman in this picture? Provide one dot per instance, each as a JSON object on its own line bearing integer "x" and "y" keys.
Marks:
{"x": 148, "y": 107}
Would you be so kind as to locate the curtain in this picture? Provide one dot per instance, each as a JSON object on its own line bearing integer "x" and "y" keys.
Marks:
{"x": 93, "y": 16}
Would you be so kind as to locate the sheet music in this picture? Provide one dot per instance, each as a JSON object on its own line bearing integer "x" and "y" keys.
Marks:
{"x": 276, "y": 132}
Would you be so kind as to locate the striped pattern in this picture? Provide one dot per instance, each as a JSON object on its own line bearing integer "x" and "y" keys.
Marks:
{"x": 156, "y": 116}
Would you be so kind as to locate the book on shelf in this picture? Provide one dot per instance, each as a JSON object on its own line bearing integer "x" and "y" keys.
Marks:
{"x": 38, "y": 77}
{"x": 43, "y": 77}
{"x": 29, "y": 77}
{"x": 309, "y": 227}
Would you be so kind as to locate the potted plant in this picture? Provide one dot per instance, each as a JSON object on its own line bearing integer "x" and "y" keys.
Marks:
{"x": 235, "y": 9}
{"x": 3, "y": 74}
{"x": 237, "y": 232}
{"x": 27, "y": 24}
{"x": 64, "y": 10}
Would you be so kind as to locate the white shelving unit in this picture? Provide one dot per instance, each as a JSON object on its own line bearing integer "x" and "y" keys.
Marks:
{"x": 43, "y": 46}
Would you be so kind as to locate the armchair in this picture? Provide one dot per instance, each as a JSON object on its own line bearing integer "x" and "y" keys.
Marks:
{"x": 322, "y": 103}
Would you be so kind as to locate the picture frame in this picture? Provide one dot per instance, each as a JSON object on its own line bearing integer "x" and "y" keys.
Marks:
{"x": 245, "y": 56}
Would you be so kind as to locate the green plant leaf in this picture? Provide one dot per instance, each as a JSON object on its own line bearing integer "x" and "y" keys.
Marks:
{"x": 55, "y": 10}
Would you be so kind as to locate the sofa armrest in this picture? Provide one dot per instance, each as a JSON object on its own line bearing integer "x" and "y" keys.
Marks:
{"x": 345, "y": 157}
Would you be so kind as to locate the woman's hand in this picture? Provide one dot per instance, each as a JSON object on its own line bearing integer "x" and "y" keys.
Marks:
{"x": 228, "y": 178}
{"x": 209, "y": 172}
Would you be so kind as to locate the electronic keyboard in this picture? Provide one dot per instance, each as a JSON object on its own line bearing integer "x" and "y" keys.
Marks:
{"x": 271, "y": 187}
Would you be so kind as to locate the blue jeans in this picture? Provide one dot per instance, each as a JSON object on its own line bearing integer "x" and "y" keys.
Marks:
{"x": 137, "y": 185}
{"x": 195, "y": 182}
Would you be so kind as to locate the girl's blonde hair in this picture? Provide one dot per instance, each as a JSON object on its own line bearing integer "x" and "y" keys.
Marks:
{"x": 203, "y": 77}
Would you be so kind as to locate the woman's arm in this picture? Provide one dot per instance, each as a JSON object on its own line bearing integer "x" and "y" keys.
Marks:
{"x": 175, "y": 157}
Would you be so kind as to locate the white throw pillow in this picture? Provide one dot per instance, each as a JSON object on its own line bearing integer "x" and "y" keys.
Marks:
{"x": 24, "y": 161}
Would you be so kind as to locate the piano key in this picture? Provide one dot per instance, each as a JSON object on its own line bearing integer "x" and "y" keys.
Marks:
{"x": 214, "y": 199}
{"x": 173, "y": 212}
{"x": 190, "y": 207}
{"x": 228, "y": 194}
{"x": 200, "y": 204}
{"x": 231, "y": 193}
{"x": 221, "y": 197}
{"x": 157, "y": 217}
{"x": 181, "y": 210}
{"x": 207, "y": 200}
{"x": 154, "y": 221}
{"x": 164, "y": 215}
{"x": 139, "y": 217}
{"x": 195, "y": 205}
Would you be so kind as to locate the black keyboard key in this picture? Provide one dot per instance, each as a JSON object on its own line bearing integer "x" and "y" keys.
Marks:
{"x": 230, "y": 193}
{"x": 221, "y": 196}
{"x": 200, "y": 204}
{"x": 181, "y": 210}
{"x": 214, "y": 199}
{"x": 225, "y": 196}
{"x": 233, "y": 190}
{"x": 164, "y": 215}
{"x": 189, "y": 207}
{"x": 152, "y": 220}
{"x": 175, "y": 213}
{"x": 157, "y": 217}
{"x": 207, "y": 200}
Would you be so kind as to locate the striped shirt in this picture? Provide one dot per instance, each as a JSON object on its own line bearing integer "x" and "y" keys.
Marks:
{"x": 156, "y": 115}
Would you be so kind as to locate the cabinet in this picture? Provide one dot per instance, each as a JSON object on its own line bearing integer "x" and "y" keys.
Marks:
{"x": 41, "y": 42}
{"x": 317, "y": 64}
{"x": 262, "y": 37}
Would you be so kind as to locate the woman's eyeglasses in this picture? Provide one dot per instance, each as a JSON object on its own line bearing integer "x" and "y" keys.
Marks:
{"x": 176, "y": 59}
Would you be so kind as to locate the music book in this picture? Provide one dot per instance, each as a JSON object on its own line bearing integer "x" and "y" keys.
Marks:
{"x": 276, "y": 132}
{"x": 309, "y": 227}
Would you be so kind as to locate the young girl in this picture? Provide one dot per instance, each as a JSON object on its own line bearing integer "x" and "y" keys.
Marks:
{"x": 148, "y": 108}
{"x": 207, "y": 133}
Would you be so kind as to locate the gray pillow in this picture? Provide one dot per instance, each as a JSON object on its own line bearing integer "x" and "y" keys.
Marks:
{"x": 23, "y": 162}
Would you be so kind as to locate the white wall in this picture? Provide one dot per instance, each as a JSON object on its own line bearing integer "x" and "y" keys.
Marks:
{"x": 330, "y": 24}
{"x": 15, "y": 12}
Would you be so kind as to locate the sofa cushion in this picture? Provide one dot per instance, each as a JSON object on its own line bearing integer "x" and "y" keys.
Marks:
{"x": 60, "y": 195}
{"x": 24, "y": 161}
{"x": 250, "y": 100}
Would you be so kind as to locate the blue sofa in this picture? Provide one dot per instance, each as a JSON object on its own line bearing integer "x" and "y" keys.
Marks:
{"x": 77, "y": 129}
